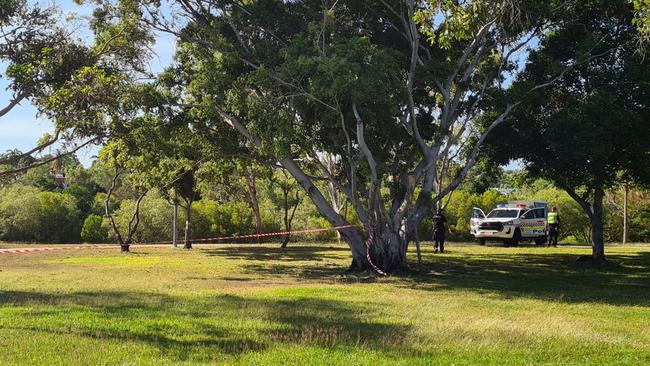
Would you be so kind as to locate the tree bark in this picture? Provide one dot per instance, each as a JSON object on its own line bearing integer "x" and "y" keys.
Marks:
{"x": 351, "y": 235}
{"x": 597, "y": 231}
{"x": 595, "y": 213}
{"x": 187, "y": 240}
{"x": 252, "y": 193}
{"x": 175, "y": 222}
{"x": 626, "y": 189}
{"x": 287, "y": 224}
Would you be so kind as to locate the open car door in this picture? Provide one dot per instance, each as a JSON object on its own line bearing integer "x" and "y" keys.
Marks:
{"x": 477, "y": 216}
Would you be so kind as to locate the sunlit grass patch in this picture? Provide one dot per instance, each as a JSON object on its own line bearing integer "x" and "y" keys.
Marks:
{"x": 252, "y": 304}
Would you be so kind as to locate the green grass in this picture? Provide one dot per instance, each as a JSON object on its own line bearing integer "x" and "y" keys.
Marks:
{"x": 260, "y": 305}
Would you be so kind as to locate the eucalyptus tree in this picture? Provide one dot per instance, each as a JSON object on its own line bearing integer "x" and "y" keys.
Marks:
{"x": 389, "y": 88}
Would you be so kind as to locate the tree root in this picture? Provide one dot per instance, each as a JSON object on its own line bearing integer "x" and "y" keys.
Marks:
{"x": 588, "y": 261}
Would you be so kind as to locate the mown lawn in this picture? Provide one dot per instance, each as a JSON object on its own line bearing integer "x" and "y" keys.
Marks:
{"x": 258, "y": 305}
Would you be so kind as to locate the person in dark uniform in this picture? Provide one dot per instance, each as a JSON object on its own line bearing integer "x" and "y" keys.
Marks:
{"x": 439, "y": 221}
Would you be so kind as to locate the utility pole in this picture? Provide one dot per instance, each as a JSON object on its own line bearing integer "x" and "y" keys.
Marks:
{"x": 625, "y": 194}
{"x": 175, "y": 221}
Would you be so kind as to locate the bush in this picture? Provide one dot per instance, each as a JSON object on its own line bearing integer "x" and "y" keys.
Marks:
{"x": 214, "y": 219}
{"x": 60, "y": 219}
{"x": 459, "y": 212}
{"x": 155, "y": 218}
{"x": 83, "y": 197}
{"x": 92, "y": 230}
{"x": 27, "y": 214}
{"x": 19, "y": 209}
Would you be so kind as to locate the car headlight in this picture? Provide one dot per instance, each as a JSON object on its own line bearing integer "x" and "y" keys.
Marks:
{"x": 510, "y": 223}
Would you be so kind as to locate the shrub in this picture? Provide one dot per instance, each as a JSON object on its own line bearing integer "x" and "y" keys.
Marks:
{"x": 31, "y": 215}
{"x": 60, "y": 219}
{"x": 155, "y": 218}
{"x": 92, "y": 230}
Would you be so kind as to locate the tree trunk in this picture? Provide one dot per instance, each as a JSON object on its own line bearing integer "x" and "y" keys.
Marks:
{"x": 287, "y": 224}
{"x": 188, "y": 228}
{"x": 597, "y": 231}
{"x": 625, "y": 213}
{"x": 175, "y": 222}
{"x": 252, "y": 193}
{"x": 351, "y": 235}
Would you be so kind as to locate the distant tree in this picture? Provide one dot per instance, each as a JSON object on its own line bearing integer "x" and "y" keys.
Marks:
{"x": 285, "y": 194}
{"x": 116, "y": 156}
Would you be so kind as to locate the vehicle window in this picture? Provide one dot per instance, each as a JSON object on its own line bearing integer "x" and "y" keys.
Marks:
{"x": 477, "y": 214}
{"x": 497, "y": 214}
{"x": 539, "y": 213}
{"x": 529, "y": 215}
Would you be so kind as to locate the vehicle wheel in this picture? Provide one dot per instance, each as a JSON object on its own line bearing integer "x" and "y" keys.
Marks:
{"x": 516, "y": 238}
{"x": 540, "y": 241}
{"x": 481, "y": 242}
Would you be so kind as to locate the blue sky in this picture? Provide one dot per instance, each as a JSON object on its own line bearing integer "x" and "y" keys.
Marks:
{"x": 21, "y": 128}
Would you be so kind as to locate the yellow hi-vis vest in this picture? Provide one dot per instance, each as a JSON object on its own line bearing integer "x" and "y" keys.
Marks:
{"x": 552, "y": 217}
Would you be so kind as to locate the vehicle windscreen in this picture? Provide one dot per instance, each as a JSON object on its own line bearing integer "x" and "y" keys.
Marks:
{"x": 499, "y": 214}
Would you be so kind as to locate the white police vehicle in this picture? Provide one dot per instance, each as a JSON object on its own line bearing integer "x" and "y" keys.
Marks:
{"x": 511, "y": 223}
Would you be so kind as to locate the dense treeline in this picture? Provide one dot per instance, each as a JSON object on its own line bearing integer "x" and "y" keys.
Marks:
{"x": 35, "y": 208}
{"x": 379, "y": 113}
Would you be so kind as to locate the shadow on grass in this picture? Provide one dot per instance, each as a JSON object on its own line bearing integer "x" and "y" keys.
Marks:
{"x": 202, "y": 328}
{"x": 323, "y": 261}
{"x": 550, "y": 276}
{"x": 555, "y": 277}
{"x": 289, "y": 254}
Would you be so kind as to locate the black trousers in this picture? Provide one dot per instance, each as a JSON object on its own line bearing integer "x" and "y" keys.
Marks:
{"x": 552, "y": 234}
{"x": 439, "y": 240}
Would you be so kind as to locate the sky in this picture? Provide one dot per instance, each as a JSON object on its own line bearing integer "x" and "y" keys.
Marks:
{"x": 21, "y": 128}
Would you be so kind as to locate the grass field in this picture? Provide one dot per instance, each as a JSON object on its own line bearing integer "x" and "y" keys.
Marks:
{"x": 256, "y": 305}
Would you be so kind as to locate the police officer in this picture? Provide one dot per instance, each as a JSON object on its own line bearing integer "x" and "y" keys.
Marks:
{"x": 439, "y": 221}
{"x": 553, "y": 224}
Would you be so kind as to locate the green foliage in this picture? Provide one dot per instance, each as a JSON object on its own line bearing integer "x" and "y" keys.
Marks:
{"x": 573, "y": 221}
{"x": 31, "y": 215}
{"x": 214, "y": 219}
{"x": 642, "y": 22}
{"x": 459, "y": 211}
{"x": 59, "y": 218}
{"x": 19, "y": 209}
{"x": 155, "y": 218}
{"x": 83, "y": 197}
{"x": 92, "y": 230}
{"x": 640, "y": 222}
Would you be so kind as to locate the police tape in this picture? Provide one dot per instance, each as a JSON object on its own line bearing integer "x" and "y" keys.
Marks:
{"x": 261, "y": 235}
{"x": 368, "y": 243}
{"x": 369, "y": 258}
{"x": 194, "y": 241}
{"x": 36, "y": 250}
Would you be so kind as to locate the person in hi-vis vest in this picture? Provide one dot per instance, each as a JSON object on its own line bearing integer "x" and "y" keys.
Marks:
{"x": 553, "y": 224}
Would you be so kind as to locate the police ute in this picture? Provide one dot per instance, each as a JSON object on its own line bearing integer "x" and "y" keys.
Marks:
{"x": 511, "y": 223}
